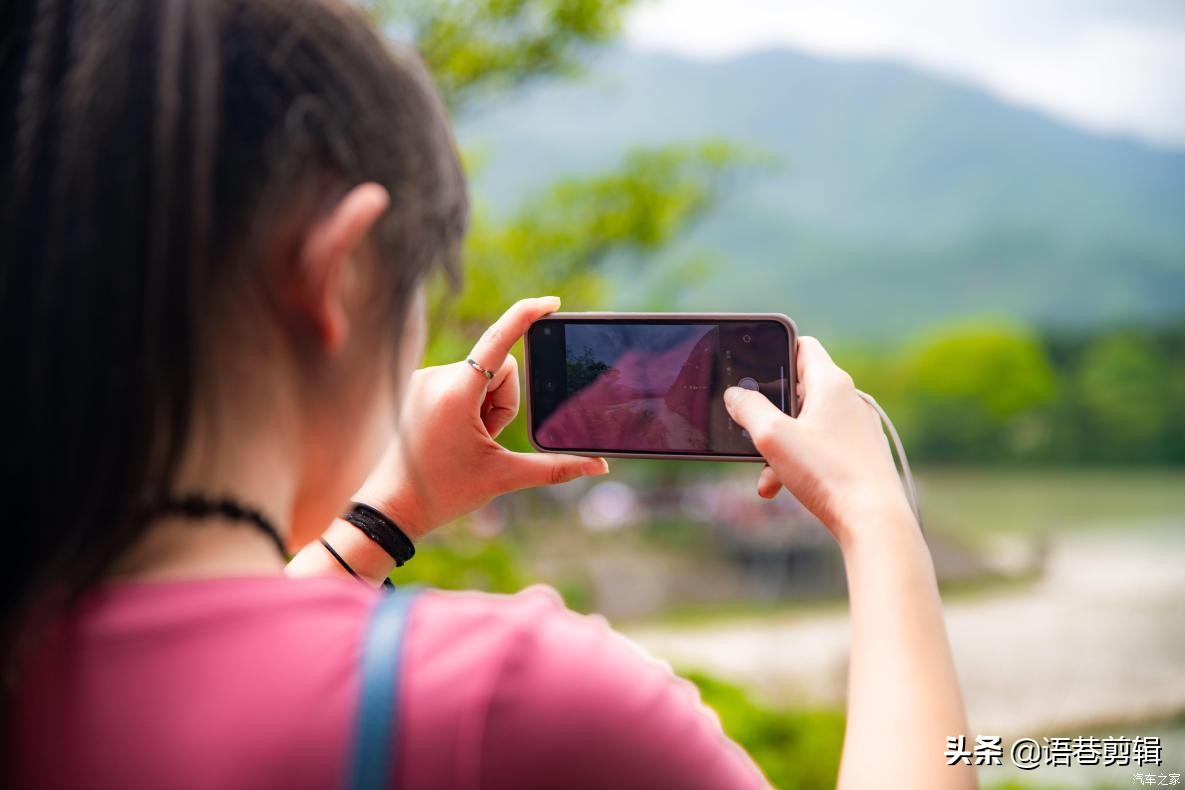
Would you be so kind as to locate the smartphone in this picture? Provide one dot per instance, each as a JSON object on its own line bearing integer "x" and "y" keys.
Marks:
{"x": 651, "y": 385}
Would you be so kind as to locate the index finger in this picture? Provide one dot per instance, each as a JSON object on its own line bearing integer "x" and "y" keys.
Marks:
{"x": 817, "y": 371}
{"x": 814, "y": 363}
{"x": 495, "y": 343}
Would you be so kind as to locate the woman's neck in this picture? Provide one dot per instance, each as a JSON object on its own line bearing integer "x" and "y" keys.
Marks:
{"x": 176, "y": 548}
{"x": 256, "y": 469}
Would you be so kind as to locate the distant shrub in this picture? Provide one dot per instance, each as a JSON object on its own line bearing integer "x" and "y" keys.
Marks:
{"x": 466, "y": 563}
{"x": 798, "y": 749}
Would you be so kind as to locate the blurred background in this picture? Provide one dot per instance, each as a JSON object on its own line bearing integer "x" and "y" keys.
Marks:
{"x": 979, "y": 206}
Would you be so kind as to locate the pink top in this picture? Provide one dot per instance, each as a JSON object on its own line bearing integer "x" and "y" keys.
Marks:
{"x": 253, "y": 682}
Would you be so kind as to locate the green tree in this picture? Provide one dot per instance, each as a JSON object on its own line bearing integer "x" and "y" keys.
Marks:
{"x": 1122, "y": 389}
{"x": 979, "y": 392}
{"x": 479, "y": 49}
{"x": 584, "y": 370}
{"x": 558, "y": 240}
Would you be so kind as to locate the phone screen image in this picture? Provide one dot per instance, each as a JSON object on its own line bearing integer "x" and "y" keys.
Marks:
{"x": 651, "y": 386}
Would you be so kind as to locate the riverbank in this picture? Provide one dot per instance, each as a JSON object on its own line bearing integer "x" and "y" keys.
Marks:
{"x": 1094, "y": 645}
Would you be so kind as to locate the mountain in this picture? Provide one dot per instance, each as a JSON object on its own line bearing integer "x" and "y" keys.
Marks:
{"x": 900, "y": 200}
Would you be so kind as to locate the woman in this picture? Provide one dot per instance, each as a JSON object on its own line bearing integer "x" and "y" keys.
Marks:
{"x": 217, "y": 221}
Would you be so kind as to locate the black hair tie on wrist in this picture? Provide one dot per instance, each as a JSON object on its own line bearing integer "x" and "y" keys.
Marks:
{"x": 387, "y": 583}
{"x": 340, "y": 559}
{"x": 382, "y": 531}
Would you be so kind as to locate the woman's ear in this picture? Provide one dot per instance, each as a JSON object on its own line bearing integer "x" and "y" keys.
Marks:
{"x": 326, "y": 258}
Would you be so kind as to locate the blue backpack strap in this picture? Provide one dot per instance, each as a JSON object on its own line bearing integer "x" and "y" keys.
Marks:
{"x": 378, "y": 709}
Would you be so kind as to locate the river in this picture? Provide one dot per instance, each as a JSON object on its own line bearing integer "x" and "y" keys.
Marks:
{"x": 1096, "y": 646}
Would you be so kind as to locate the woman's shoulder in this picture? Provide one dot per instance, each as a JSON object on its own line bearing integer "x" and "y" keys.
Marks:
{"x": 529, "y": 641}
{"x": 518, "y": 690}
{"x": 447, "y": 615}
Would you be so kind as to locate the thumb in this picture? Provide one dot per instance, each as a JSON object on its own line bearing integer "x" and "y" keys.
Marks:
{"x": 543, "y": 469}
{"x": 756, "y": 414}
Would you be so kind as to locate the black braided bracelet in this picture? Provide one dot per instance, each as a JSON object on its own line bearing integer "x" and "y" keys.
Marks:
{"x": 382, "y": 531}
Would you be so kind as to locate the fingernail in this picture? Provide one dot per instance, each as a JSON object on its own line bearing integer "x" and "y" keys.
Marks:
{"x": 732, "y": 394}
{"x": 597, "y": 467}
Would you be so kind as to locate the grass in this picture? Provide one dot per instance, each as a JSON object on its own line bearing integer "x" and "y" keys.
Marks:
{"x": 979, "y": 501}
{"x": 741, "y": 610}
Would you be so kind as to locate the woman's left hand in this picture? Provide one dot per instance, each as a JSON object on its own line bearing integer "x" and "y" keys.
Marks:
{"x": 445, "y": 462}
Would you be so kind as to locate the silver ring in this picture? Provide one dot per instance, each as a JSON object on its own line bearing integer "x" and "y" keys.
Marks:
{"x": 473, "y": 364}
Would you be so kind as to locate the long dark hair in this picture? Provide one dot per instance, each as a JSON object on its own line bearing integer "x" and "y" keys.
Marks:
{"x": 149, "y": 150}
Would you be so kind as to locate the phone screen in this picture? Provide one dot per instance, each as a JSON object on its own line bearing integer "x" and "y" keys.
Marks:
{"x": 652, "y": 386}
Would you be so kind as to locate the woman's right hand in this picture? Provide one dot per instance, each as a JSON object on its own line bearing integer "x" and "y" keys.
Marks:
{"x": 901, "y": 679}
{"x": 834, "y": 457}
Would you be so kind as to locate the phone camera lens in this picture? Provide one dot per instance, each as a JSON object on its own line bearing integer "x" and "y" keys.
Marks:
{"x": 747, "y": 338}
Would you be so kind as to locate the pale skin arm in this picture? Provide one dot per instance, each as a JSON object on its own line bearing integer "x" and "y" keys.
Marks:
{"x": 903, "y": 694}
{"x": 446, "y": 462}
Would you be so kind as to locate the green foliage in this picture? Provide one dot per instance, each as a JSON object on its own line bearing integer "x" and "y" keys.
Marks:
{"x": 1122, "y": 397}
{"x": 463, "y": 562}
{"x": 561, "y": 238}
{"x": 1003, "y": 394}
{"x": 560, "y": 241}
{"x": 977, "y": 386}
{"x": 1039, "y": 504}
{"x": 558, "y": 238}
{"x": 797, "y": 749}
{"x": 972, "y": 363}
{"x": 1121, "y": 384}
{"x": 482, "y": 47}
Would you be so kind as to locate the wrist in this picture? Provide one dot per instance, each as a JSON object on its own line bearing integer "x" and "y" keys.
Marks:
{"x": 365, "y": 557}
{"x": 402, "y": 509}
{"x": 875, "y": 520}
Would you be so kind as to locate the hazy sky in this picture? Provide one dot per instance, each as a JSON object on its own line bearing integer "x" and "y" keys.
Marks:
{"x": 1111, "y": 65}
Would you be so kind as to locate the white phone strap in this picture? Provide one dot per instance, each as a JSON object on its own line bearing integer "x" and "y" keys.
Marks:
{"x": 911, "y": 491}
